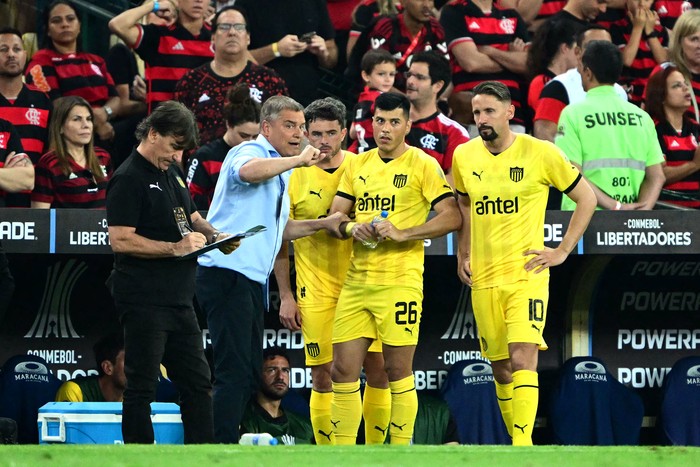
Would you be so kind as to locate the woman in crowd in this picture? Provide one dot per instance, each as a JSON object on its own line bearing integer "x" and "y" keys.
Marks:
{"x": 59, "y": 68}
{"x": 668, "y": 98}
{"x": 684, "y": 52}
{"x": 74, "y": 173}
{"x": 242, "y": 115}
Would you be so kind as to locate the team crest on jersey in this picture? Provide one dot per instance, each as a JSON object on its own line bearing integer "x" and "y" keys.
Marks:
{"x": 33, "y": 116}
{"x": 516, "y": 173}
{"x": 484, "y": 345}
{"x": 507, "y": 25}
{"x": 313, "y": 349}
{"x": 400, "y": 180}
{"x": 429, "y": 141}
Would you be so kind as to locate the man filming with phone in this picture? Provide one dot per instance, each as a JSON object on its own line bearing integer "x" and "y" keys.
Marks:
{"x": 294, "y": 41}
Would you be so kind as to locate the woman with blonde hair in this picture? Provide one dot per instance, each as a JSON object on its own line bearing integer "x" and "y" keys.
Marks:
{"x": 74, "y": 173}
{"x": 684, "y": 52}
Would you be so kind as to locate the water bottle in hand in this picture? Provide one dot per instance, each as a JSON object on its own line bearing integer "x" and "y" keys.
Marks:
{"x": 372, "y": 242}
{"x": 257, "y": 439}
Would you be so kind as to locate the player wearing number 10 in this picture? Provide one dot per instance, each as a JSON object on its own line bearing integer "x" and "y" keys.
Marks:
{"x": 502, "y": 180}
{"x": 383, "y": 290}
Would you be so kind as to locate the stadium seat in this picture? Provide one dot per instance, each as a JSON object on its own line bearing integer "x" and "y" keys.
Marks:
{"x": 590, "y": 407}
{"x": 25, "y": 385}
{"x": 471, "y": 395}
{"x": 680, "y": 403}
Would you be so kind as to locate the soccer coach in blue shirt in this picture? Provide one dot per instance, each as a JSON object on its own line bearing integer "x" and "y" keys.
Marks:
{"x": 233, "y": 290}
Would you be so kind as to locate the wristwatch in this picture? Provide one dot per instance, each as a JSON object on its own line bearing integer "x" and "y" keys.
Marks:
{"x": 108, "y": 110}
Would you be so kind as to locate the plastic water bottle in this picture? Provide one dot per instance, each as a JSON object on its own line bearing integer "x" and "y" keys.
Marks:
{"x": 372, "y": 243}
{"x": 258, "y": 439}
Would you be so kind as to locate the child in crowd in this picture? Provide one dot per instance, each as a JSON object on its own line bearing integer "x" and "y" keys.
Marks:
{"x": 378, "y": 72}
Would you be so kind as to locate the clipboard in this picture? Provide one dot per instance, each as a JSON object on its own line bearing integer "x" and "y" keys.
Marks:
{"x": 211, "y": 246}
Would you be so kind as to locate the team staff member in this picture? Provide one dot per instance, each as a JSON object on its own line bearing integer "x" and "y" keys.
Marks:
{"x": 321, "y": 262}
{"x": 251, "y": 190}
{"x": 612, "y": 142}
{"x": 383, "y": 292}
{"x": 153, "y": 221}
{"x": 500, "y": 198}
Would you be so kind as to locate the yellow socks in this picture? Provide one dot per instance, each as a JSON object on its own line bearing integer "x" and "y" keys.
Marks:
{"x": 346, "y": 412}
{"x": 377, "y": 413}
{"x": 404, "y": 406}
{"x": 504, "y": 394}
{"x": 320, "y": 407}
{"x": 525, "y": 398}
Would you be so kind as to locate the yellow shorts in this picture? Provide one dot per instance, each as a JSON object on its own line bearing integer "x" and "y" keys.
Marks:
{"x": 317, "y": 329}
{"x": 389, "y": 313}
{"x": 511, "y": 313}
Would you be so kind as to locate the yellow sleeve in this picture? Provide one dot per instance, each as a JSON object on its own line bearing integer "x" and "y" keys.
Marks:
{"x": 435, "y": 186}
{"x": 69, "y": 392}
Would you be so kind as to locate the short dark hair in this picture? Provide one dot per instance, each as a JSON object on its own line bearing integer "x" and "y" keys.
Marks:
{"x": 328, "y": 108}
{"x": 11, "y": 30}
{"x": 215, "y": 21}
{"x": 272, "y": 352}
{"x": 438, "y": 68}
{"x": 240, "y": 107}
{"x": 581, "y": 35}
{"x": 171, "y": 118}
{"x": 604, "y": 60}
{"x": 493, "y": 88}
{"x": 393, "y": 101}
{"x": 107, "y": 348}
{"x": 375, "y": 57}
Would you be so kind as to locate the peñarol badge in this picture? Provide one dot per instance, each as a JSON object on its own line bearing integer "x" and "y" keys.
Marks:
{"x": 516, "y": 173}
{"x": 400, "y": 180}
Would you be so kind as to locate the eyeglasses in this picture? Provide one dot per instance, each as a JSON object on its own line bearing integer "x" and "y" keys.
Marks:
{"x": 240, "y": 27}
{"x": 418, "y": 76}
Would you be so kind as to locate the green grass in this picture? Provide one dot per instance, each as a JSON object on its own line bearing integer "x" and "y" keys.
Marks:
{"x": 313, "y": 456}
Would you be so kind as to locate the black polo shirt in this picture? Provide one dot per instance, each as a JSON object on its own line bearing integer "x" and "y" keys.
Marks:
{"x": 142, "y": 196}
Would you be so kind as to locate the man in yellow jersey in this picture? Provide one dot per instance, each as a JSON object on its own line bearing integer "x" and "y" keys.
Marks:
{"x": 383, "y": 291}
{"x": 321, "y": 262}
{"x": 502, "y": 180}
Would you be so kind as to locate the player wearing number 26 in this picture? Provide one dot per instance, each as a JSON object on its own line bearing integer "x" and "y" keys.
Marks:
{"x": 502, "y": 179}
{"x": 383, "y": 290}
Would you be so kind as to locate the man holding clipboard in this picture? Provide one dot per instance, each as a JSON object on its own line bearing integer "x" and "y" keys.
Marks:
{"x": 152, "y": 223}
{"x": 233, "y": 290}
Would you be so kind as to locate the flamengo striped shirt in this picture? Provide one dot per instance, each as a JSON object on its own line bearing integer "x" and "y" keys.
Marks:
{"x": 438, "y": 136}
{"x": 79, "y": 189}
{"x": 29, "y": 113}
{"x": 169, "y": 53}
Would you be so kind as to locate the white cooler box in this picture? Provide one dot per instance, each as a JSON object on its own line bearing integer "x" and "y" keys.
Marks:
{"x": 101, "y": 423}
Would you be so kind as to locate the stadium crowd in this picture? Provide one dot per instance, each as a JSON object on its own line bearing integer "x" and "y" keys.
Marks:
{"x": 417, "y": 84}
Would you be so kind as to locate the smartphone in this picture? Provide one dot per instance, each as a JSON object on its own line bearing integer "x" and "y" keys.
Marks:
{"x": 307, "y": 37}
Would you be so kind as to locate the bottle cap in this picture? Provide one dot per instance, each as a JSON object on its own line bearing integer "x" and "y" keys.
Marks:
{"x": 385, "y": 214}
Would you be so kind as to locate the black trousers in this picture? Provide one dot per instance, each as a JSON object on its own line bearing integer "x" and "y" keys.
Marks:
{"x": 154, "y": 334}
{"x": 234, "y": 307}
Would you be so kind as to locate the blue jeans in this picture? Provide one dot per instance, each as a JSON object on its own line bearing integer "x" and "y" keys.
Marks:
{"x": 234, "y": 307}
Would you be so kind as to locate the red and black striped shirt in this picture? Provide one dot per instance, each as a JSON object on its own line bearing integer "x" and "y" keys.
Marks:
{"x": 549, "y": 8}
{"x": 679, "y": 148}
{"x": 438, "y": 136}
{"x": 74, "y": 74}
{"x": 79, "y": 189}
{"x": 464, "y": 21}
{"x": 203, "y": 171}
{"x": 29, "y": 113}
{"x": 169, "y": 53}
{"x": 670, "y": 10}
{"x": 634, "y": 77}
{"x": 9, "y": 143}
{"x": 362, "y": 121}
{"x": 204, "y": 92}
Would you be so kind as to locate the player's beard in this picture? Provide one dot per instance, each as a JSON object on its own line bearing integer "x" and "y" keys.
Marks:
{"x": 488, "y": 135}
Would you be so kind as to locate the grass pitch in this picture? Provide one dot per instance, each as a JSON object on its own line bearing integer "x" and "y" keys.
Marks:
{"x": 313, "y": 456}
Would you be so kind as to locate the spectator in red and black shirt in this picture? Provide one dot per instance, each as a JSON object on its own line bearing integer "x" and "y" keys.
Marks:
{"x": 203, "y": 90}
{"x": 667, "y": 101}
{"x": 60, "y": 69}
{"x": 643, "y": 45}
{"x": 486, "y": 43}
{"x": 74, "y": 173}
{"x": 413, "y": 30}
{"x": 242, "y": 116}
{"x": 431, "y": 131}
{"x": 534, "y": 12}
{"x": 684, "y": 52}
{"x": 364, "y": 15}
{"x": 670, "y": 10}
{"x": 16, "y": 171}
{"x": 168, "y": 51}
{"x": 24, "y": 106}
